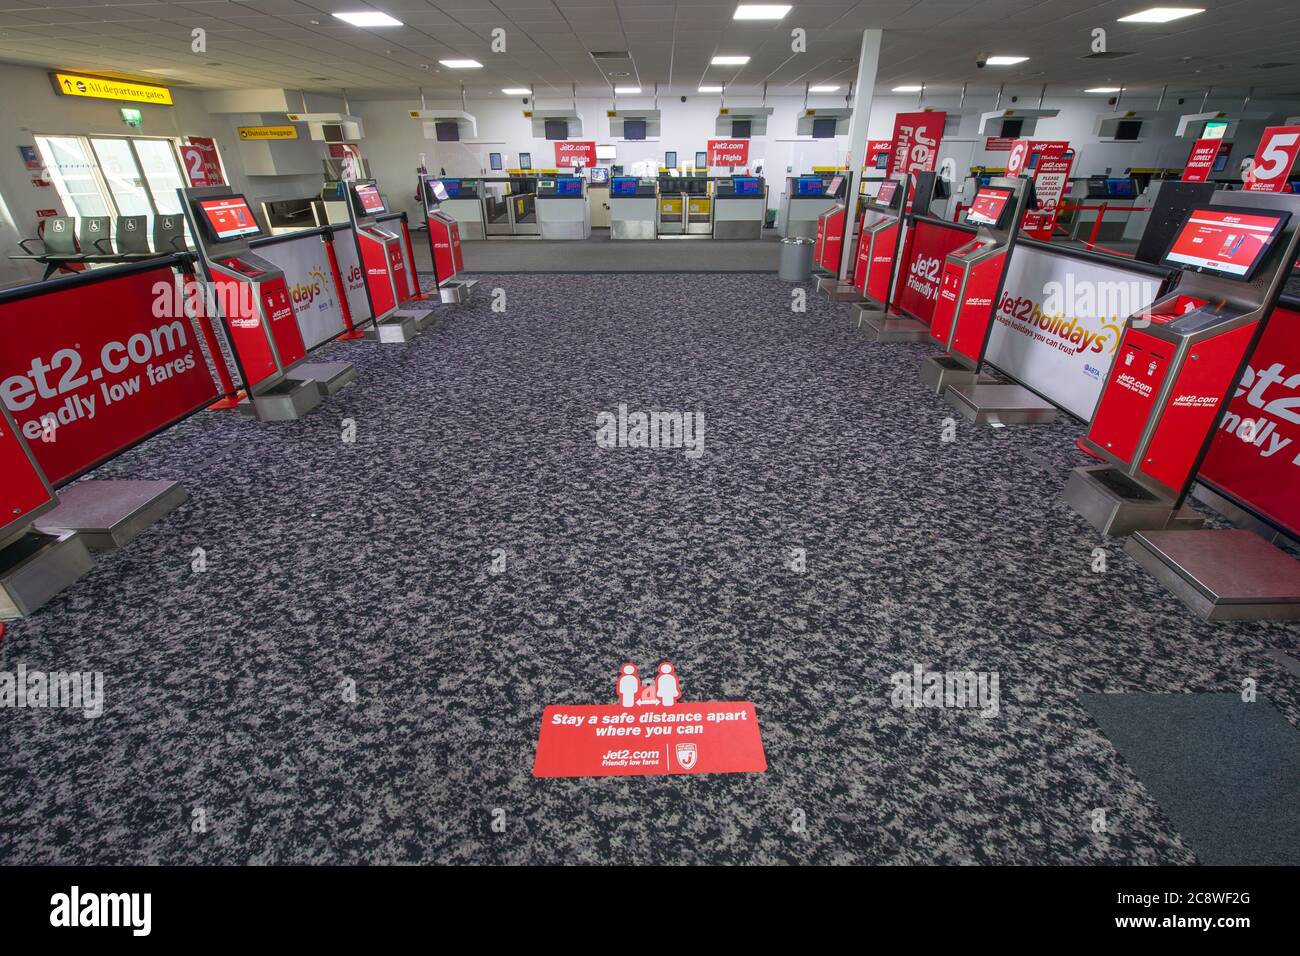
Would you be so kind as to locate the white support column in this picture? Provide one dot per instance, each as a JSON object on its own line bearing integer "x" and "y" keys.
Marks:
{"x": 864, "y": 89}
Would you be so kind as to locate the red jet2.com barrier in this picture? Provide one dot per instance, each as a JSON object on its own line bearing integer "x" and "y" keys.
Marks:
{"x": 1255, "y": 457}
{"x": 649, "y": 731}
{"x": 87, "y": 370}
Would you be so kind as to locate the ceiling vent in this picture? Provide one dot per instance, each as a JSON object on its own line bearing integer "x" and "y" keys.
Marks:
{"x": 611, "y": 55}
{"x": 1109, "y": 55}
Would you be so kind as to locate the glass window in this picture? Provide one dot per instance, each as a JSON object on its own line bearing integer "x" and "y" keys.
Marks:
{"x": 73, "y": 172}
{"x": 163, "y": 176}
{"x": 122, "y": 176}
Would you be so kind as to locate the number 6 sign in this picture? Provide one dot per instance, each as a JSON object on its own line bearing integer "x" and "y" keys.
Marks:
{"x": 1277, "y": 153}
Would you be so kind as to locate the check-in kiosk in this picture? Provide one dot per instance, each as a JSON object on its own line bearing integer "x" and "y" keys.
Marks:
{"x": 970, "y": 283}
{"x": 34, "y": 565}
{"x": 830, "y": 239}
{"x": 806, "y": 198}
{"x": 1179, "y": 360}
{"x": 253, "y": 300}
{"x": 444, "y": 243}
{"x": 882, "y": 243}
{"x": 739, "y": 208}
{"x": 632, "y": 208}
{"x": 380, "y": 253}
{"x": 464, "y": 205}
{"x": 1178, "y": 365}
{"x": 562, "y": 210}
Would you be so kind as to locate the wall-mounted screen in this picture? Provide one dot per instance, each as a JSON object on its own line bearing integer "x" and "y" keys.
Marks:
{"x": 556, "y": 128}
{"x": 634, "y": 129}
{"x": 606, "y": 152}
{"x": 701, "y": 160}
{"x": 823, "y": 127}
{"x": 447, "y": 131}
{"x": 1226, "y": 240}
{"x": 740, "y": 128}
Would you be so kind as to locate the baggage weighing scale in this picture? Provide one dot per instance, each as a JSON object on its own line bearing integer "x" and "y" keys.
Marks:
{"x": 969, "y": 286}
{"x": 384, "y": 267}
{"x": 35, "y": 565}
{"x": 739, "y": 208}
{"x": 1176, "y": 369}
{"x": 444, "y": 243}
{"x": 251, "y": 295}
{"x": 562, "y": 210}
{"x": 633, "y": 206}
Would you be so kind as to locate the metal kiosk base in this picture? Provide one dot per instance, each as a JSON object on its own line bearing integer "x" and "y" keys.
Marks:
{"x": 1116, "y": 505}
{"x": 395, "y": 328}
{"x": 418, "y": 311}
{"x": 328, "y": 376}
{"x": 109, "y": 513}
{"x": 285, "y": 401}
{"x": 999, "y": 404}
{"x": 36, "y": 566}
{"x": 879, "y": 326}
{"x": 836, "y": 290}
{"x": 939, "y": 372}
{"x": 456, "y": 291}
{"x": 1222, "y": 575}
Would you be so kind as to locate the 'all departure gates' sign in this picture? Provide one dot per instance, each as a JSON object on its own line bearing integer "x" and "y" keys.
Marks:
{"x": 649, "y": 731}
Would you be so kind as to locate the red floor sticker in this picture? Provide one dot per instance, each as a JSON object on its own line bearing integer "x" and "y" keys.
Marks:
{"x": 650, "y": 731}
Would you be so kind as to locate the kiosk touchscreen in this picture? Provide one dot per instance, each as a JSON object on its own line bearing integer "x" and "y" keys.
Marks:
{"x": 444, "y": 243}
{"x": 384, "y": 266}
{"x": 253, "y": 299}
{"x": 1179, "y": 360}
{"x": 969, "y": 285}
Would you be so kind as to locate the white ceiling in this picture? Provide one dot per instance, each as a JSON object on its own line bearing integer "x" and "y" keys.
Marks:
{"x": 297, "y": 44}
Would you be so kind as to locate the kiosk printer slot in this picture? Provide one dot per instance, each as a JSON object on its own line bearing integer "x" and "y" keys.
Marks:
{"x": 881, "y": 246}
{"x": 633, "y": 205}
{"x": 970, "y": 284}
{"x": 562, "y": 210}
{"x": 253, "y": 299}
{"x": 380, "y": 254}
{"x": 34, "y": 565}
{"x": 1179, "y": 361}
{"x": 444, "y": 243}
{"x": 739, "y": 208}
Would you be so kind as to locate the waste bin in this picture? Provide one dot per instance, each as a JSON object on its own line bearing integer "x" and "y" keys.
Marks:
{"x": 796, "y": 259}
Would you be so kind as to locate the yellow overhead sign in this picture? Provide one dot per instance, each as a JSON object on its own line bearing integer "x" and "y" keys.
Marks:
{"x": 268, "y": 132}
{"x": 97, "y": 87}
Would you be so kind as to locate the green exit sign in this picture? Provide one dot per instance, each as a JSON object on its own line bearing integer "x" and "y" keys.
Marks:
{"x": 131, "y": 117}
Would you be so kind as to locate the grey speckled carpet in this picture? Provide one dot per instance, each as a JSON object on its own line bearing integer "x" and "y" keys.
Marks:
{"x": 370, "y": 562}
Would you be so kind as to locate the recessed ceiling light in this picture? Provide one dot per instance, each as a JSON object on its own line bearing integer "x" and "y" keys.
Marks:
{"x": 627, "y": 89}
{"x": 1005, "y": 60}
{"x": 516, "y": 90}
{"x": 823, "y": 89}
{"x": 729, "y": 60}
{"x": 710, "y": 89}
{"x": 907, "y": 89}
{"x": 1161, "y": 14}
{"x": 368, "y": 18}
{"x": 1103, "y": 89}
{"x": 761, "y": 11}
{"x": 462, "y": 64}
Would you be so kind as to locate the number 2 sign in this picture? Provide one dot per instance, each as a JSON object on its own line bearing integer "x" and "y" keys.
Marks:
{"x": 202, "y": 167}
{"x": 1277, "y": 154}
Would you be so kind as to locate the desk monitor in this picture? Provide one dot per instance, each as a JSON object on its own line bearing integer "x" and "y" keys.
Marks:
{"x": 369, "y": 202}
{"x": 623, "y": 186}
{"x": 989, "y": 207}
{"x": 1120, "y": 188}
{"x": 568, "y": 187}
{"x": 599, "y": 175}
{"x": 228, "y": 217}
{"x": 809, "y": 186}
{"x": 1226, "y": 241}
{"x": 745, "y": 186}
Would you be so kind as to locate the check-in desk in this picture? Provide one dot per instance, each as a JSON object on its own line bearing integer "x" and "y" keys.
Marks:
{"x": 464, "y": 203}
{"x": 633, "y": 208}
{"x": 562, "y": 211}
{"x": 739, "y": 208}
{"x": 806, "y": 198}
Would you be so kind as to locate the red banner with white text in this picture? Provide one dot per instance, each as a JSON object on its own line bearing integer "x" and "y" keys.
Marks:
{"x": 1255, "y": 457}
{"x": 1271, "y": 170}
{"x": 1200, "y": 161}
{"x": 575, "y": 153}
{"x": 728, "y": 152}
{"x": 90, "y": 369}
{"x": 916, "y": 142}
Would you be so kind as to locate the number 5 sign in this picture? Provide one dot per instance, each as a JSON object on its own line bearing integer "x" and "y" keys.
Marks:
{"x": 1277, "y": 153}
{"x": 202, "y": 167}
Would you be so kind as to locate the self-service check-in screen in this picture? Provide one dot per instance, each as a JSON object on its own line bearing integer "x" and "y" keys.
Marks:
{"x": 438, "y": 190}
{"x": 833, "y": 188}
{"x": 1228, "y": 242}
{"x": 885, "y": 195}
{"x": 371, "y": 202}
{"x": 229, "y": 218}
{"x": 987, "y": 207}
